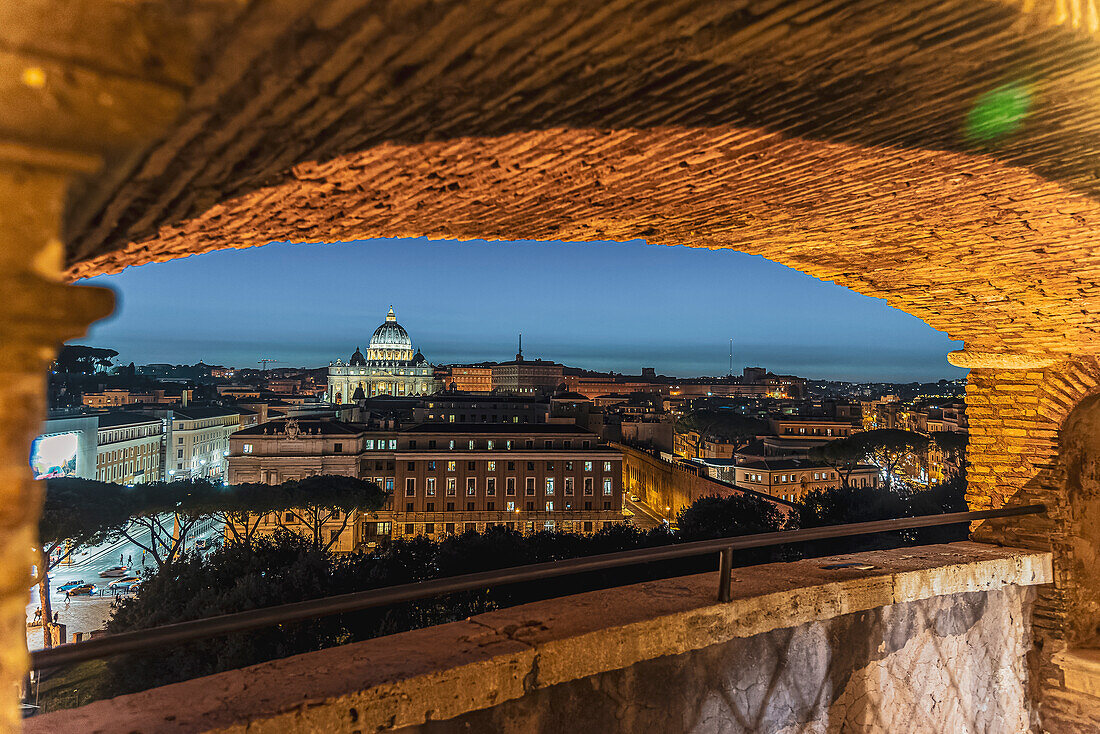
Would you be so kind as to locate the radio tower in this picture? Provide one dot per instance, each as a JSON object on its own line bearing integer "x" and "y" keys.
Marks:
{"x": 265, "y": 362}
{"x": 731, "y": 358}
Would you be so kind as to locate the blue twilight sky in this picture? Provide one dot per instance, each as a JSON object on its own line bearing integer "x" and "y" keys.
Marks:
{"x": 598, "y": 305}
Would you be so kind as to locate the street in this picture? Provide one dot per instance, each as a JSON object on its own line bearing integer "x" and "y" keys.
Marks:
{"x": 645, "y": 517}
{"x": 85, "y": 613}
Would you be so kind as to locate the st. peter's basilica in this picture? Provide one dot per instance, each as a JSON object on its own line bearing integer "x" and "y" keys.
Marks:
{"x": 389, "y": 368}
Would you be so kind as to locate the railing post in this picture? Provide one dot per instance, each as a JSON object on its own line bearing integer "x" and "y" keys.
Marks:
{"x": 725, "y": 570}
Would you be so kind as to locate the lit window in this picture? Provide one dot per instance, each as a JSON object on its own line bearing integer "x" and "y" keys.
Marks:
{"x": 549, "y": 486}
{"x": 607, "y": 487}
{"x": 588, "y": 466}
{"x": 471, "y": 486}
{"x": 248, "y": 448}
{"x": 450, "y": 466}
{"x": 492, "y": 466}
{"x": 550, "y": 507}
{"x": 490, "y": 445}
{"x": 607, "y": 466}
{"x": 451, "y": 485}
{"x": 430, "y": 487}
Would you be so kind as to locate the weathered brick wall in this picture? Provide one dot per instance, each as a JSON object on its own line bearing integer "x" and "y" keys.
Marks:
{"x": 1016, "y": 424}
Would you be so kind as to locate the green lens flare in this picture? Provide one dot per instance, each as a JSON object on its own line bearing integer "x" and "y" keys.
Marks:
{"x": 998, "y": 112}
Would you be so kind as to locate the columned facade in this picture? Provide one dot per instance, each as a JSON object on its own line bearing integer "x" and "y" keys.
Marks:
{"x": 390, "y": 367}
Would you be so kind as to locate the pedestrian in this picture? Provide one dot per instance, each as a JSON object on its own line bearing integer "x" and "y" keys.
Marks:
{"x": 68, "y": 600}
{"x": 129, "y": 560}
{"x": 55, "y": 617}
{"x": 37, "y": 615}
{"x": 120, "y": 559}
{"x": 143, "y": 558}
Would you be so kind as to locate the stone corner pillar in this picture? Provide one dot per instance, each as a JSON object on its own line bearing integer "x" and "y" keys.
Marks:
{"x": 1019, "y": 410}
{"x": 37, "y": 313}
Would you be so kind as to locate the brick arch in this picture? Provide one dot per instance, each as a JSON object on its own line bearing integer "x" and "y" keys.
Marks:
{"x": 959, "y": 240}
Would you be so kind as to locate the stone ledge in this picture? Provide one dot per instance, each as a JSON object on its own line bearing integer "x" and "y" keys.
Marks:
{"x": 445, "y": 671}
{"x": 1080, "y": 670}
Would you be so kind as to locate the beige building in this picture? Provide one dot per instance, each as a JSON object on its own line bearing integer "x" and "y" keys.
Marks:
{"x": 444, "y": 479}
{"x": 808, "y": 427}
{"x": 198, "y": 441}
{"x": 790, "y": 478}
{"x": 128, "y": 448}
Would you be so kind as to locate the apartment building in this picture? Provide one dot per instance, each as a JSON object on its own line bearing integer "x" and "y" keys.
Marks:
{"x": 128, "y": 449}
{"x": 444, "y": 408}
{"x": 469, "y": 377}
{"x": 447, "y": 478}
{"x": 790, "y": 478}
{"x": 198, "y": 440}
{"x": 810, "y": 427}
{"x": 527, "y": 376}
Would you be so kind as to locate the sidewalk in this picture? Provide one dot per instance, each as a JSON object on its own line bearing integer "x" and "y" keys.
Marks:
{"x": 85, "y": 613}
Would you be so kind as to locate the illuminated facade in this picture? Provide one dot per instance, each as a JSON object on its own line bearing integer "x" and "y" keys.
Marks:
{"x": 390, "y": 367}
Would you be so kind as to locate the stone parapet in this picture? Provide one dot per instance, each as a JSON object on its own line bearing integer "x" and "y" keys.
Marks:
{"x": 957, "y": 613}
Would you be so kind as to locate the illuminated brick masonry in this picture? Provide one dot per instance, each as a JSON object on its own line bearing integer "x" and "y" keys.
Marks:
{"x": 938, "y": 154}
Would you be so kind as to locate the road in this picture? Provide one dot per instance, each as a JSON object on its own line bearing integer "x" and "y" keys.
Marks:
{"x": 84, "y": 613}
{"x": 645, "y": 517}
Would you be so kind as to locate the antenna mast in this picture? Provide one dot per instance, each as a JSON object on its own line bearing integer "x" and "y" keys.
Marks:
{"x": 265, "y": 362}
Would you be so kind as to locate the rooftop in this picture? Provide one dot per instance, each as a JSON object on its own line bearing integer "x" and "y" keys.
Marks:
{"x": 307, "y": 427}
{"x": 781, "y": 463}
{"x": 115, "y": 419}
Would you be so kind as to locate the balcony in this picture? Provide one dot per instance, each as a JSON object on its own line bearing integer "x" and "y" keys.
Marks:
{"x": 934, "y": 637}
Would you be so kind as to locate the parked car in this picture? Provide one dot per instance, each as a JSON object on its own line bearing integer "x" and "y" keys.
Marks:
{"x": 125, "y": 584}
{"x": 200, "y": 544}
{"x": 85, "y": 589}
{"x": 633, "y": 498}
{"x": 113, "y": 571}
{"x": 70, "y": 585}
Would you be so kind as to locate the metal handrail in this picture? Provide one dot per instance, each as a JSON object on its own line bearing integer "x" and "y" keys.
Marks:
{"x": 173, "y": 634}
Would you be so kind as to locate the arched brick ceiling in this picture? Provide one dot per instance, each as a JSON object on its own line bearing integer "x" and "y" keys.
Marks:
{"x": 829, "y": 136}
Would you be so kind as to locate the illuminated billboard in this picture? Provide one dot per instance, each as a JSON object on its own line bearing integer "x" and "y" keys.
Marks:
{"x": 55, "y": 456}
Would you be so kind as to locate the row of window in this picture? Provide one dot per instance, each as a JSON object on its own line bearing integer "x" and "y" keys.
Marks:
{"x": 383, "y": 444}
{"x": 549, "y": 486}
{"x": 492, "y": 466}
{"x": 449, "y": 528}
{"x": 121, "y": 454}
{"x": 125, "y": 434}
{"x": 491, "y": 506}
{"x": 803, "y": 431}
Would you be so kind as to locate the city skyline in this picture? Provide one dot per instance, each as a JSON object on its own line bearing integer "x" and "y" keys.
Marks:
{"x": 589, "y": 305}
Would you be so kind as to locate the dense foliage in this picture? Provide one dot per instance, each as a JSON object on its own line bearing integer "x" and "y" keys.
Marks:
{"x": 287, "y": 567}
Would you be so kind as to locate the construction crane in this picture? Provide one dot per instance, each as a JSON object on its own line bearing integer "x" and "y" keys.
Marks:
{"x": 265, "y": 362}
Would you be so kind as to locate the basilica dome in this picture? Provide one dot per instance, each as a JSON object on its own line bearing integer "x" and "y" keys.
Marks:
{"x": 391, "y": 335}
{"x": 388, "y": 366}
